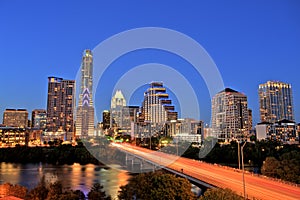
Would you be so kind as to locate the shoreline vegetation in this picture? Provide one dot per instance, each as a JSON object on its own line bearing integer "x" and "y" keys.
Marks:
{"x": 51, "y": 191}
{"x": 58, "y": 155}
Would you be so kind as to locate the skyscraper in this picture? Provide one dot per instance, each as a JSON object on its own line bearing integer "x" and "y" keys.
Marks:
{"x": 157, "y": 107}
{"x": 39, "y": 119}
{"x": 60, "y": 105}
{"x": 85, "y": 110}
{"x": 276, "y": 101}
{"x": 15, "y": 118}
{"x": 230, "y": 115}
{"x": 106, "y": 119}
{"x": 117, "y": 103}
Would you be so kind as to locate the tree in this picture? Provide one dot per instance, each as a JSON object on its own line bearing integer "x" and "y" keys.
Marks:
{"x": 55, "y": 191}
{"x": 13, "y": 190}
{"x": 40, "y": 192}
{"x": 156, "y": 185}
{"x": 270, "y": 167}
{"x": 72, "y": 195}
{"x": 289, "y": 169}
{"x": 286, "y": 168}
{"x": 220, "y": 194}
{"x": 97, "y": 193}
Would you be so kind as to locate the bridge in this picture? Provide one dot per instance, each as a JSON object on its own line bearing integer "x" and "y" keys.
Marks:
{"x": 209, "y": 175}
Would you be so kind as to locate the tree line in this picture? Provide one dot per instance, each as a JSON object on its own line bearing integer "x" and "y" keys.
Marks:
{"x": 63, "y": 154}
{"x": 54, "y": 191}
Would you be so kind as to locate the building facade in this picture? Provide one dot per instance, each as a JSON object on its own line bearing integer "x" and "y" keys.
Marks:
{"x": 118, "y": 102}
{"x": 105, "y": 119}
{"x": 230, "y": 115}
{"x": 85, "y": 124}
{"x": 15, "y": 118}
{"x": 264, "y": 130}
{"x": 11, "y": 136}
{"x": 60, "y": 105}
{"x": 39, "y": 119}
{"x": 157, "y": 107}
{"x": 284, "y": 131}
{"x": 276, "y": 101}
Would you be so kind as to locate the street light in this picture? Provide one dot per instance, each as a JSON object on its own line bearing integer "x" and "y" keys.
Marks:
{"x": 244, "y": 187}
{"x": 239, "y": 152}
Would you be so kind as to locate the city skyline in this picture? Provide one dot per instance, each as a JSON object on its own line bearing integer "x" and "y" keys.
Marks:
{"x": 258, "y": 40}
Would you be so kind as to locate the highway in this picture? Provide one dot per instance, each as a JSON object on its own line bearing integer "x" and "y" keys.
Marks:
{"x": 220, "y": 176}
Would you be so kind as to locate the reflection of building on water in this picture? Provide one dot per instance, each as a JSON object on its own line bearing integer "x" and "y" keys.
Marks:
{"x": 75, "y": 177}
{"x": 50, "y": 177}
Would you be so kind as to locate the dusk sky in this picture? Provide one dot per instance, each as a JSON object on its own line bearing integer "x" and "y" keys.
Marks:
{"x": 250, "y": 42}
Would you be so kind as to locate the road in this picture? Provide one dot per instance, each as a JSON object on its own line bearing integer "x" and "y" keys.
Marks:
{"x": 224, "y": 177}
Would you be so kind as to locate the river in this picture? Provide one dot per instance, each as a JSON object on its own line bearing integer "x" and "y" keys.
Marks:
{"x": 74, "y": 176}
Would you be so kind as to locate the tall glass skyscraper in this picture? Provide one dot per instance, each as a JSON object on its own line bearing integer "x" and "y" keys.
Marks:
{"x": 276, "y": 101}
{"x": 85, "y": 108}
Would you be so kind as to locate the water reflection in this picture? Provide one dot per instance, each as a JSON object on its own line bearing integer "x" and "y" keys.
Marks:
{"x": 74, "y": 176}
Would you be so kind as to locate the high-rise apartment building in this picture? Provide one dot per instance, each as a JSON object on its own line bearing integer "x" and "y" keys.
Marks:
{"x": 39, "y": 119}
{"x": 85, "y": 109}
{"x": 60, "y": 105}
{"x": 276, "y": 101}
{"x": 117, "y": 103}
{"x": 157, "y": 107}
{"x": 230, "y": 115}
{"x": 15, "y": 118}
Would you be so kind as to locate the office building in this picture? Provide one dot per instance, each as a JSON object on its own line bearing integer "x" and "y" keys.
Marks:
{"x": 117, "y": 103}
{"x": 284, "y": 131}
{"x": 39, "y": 119}
{"x": 230, "y": 118}
{"x": 264, "y": 130}
{"x": 129, "y": 116}
{"x": 85, "y": 124}
{"x": 15, "y": 118}
{"x": 11, "y": 136}
{"x": 276, "y": 101}
{"x": 60, "y": 105}
{"x": 185, "y": 126}
{"x": 105, "y": 119}
{"x": 157, "y": 107}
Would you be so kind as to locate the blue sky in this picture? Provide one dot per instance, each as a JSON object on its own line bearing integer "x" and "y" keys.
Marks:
{"x": 251, "y": 42}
